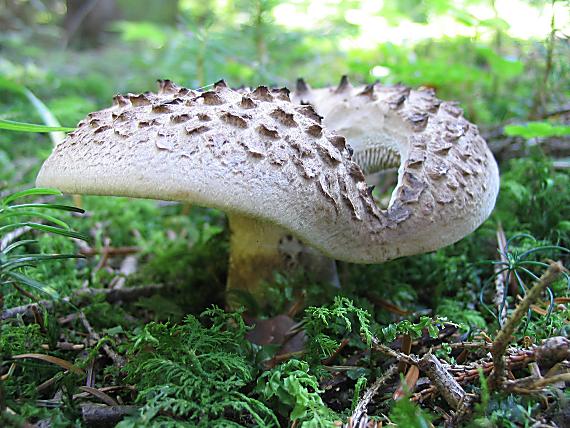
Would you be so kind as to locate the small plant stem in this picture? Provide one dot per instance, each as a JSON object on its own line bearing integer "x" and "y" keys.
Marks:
{"x": 360, "y": 410}
{"x": 539, "y": 108}
{"x": 400, "y": 356}
{"x": 504, "y": 336}
{"x": 117, "y": 359}
{"x": 501, "y": 278}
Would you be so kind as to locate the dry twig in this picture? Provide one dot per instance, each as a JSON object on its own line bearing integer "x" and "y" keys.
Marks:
{"x": 445, "y": 383}
{"x": 503, "y": 338}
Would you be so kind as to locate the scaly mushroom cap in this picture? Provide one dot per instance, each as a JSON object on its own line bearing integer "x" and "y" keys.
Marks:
{"x": 257, "y": 154}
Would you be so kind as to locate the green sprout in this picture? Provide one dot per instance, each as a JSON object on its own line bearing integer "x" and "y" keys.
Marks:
{"x": 17, "y": 216}
{"x": 517, "y": 264}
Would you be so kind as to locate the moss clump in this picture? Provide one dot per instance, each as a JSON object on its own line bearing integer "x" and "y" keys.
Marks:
{"x": 195, "y": 373}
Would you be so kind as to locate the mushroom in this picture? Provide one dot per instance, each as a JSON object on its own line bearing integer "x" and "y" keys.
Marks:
{"x": 375, "y": 118}
{"x": 282, "y": 176}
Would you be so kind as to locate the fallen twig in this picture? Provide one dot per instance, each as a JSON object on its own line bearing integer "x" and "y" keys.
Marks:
{"x": 126, "y": 294}
{"x": 529, "y": 385}
{"x": 503, "y": 338}
{"x": 445, "y": 383}
{"x": 97, "y": 416}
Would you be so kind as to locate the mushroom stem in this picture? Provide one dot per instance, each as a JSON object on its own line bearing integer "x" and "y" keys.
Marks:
{"x": 258, "y": 249}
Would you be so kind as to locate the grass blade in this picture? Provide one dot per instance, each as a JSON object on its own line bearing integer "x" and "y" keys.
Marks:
{"x": 10, "y": 125}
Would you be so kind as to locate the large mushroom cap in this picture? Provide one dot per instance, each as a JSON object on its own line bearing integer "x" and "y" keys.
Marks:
{"x": 259, "y": 155}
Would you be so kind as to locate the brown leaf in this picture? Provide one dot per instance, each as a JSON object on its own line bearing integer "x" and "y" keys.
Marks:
{"x": 54, "y": 360}
{"x": 409, "y": 383}
{"x": 100, "y": 395}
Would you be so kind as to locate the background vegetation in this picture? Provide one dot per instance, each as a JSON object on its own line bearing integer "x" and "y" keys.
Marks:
{"x": 154, "y": 353}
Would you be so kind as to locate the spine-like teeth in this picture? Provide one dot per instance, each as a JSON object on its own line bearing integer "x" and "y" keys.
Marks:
{"x": 211, "y": 98}
{"x": 234, "y": 120}
{"x": 282, "y": 94}
{"x": 301, "y": 86}
{"x": 368, "y": 91}
{"x": 120, "y": 101}
{"x": 268, "y": 132}
{"x": 166, "y": 87}
{"x": 283, "y": 117}
{"x": 139, "y": 100}
{"x": 262, "y": 93}
{"x": 247, "y": 102}
{"x": 343, "y": 85}
{"x": 220, "y": 84}
{"x": 315, "y": 130}
{"x": 179, "y": 118}
{"x": 338, "y": 141}
{"x": 197, "y": 129}
{"x": 309, "y": 111}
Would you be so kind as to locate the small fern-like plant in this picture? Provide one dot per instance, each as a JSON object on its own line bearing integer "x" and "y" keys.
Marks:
{"x": 196, "y": 374}
{"x": 19, "y": 216}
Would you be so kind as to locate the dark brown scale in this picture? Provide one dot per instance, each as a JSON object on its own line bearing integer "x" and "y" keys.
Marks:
{"x": 121, "y": 101}
{"x": 397, "y": 102}
{"x": 262, "y": 93}
{"x": 398, "y": 212}
{"x": 220, "y": 84}
{"x": 281, "y": 94}
{"x": 147, "y": 123}
{"x": 315, "y": 130}
{"x": 192, "y": 130}
{"x": 102, "y": 129}
{"x": 416, "y": 158}
{"x": 418, "y": 119}
{"x": 94, "y": 122}
{"x": 204, "y": 117}
{"x": 120, "y": 132}
{"x": 183, "y": 92}
{"x": 355, "y": 171}
{"x": 451, "y": 108}
{"x": 234, "y": 120}
{"x": 211, "y": 98}
{"x": 268, "y": 132}
{"x": 444, "y": 197}
{"x": 412, "y": 188}
{"x": 338, "y": 141}
{"x": 441, "y": 146}
{"x": 174, "y": 101}
{"x": 180, "y": 118}
{"x": 283, "y": 117}
{"x": 247, "y": 103}
{"x": 161, "y": 108}
{"x": 119, "y": 116}
{"x": 309, "y": 111}
{"x": 166, "y": 87}
{"x": 139, "y": 100}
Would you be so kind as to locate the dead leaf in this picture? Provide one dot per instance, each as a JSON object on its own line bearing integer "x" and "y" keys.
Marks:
{"x": 409, "y": 383}
{"x": 54, "y": 360}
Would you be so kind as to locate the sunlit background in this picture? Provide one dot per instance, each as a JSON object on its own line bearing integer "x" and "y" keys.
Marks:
{"x": 477, "y": 51}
